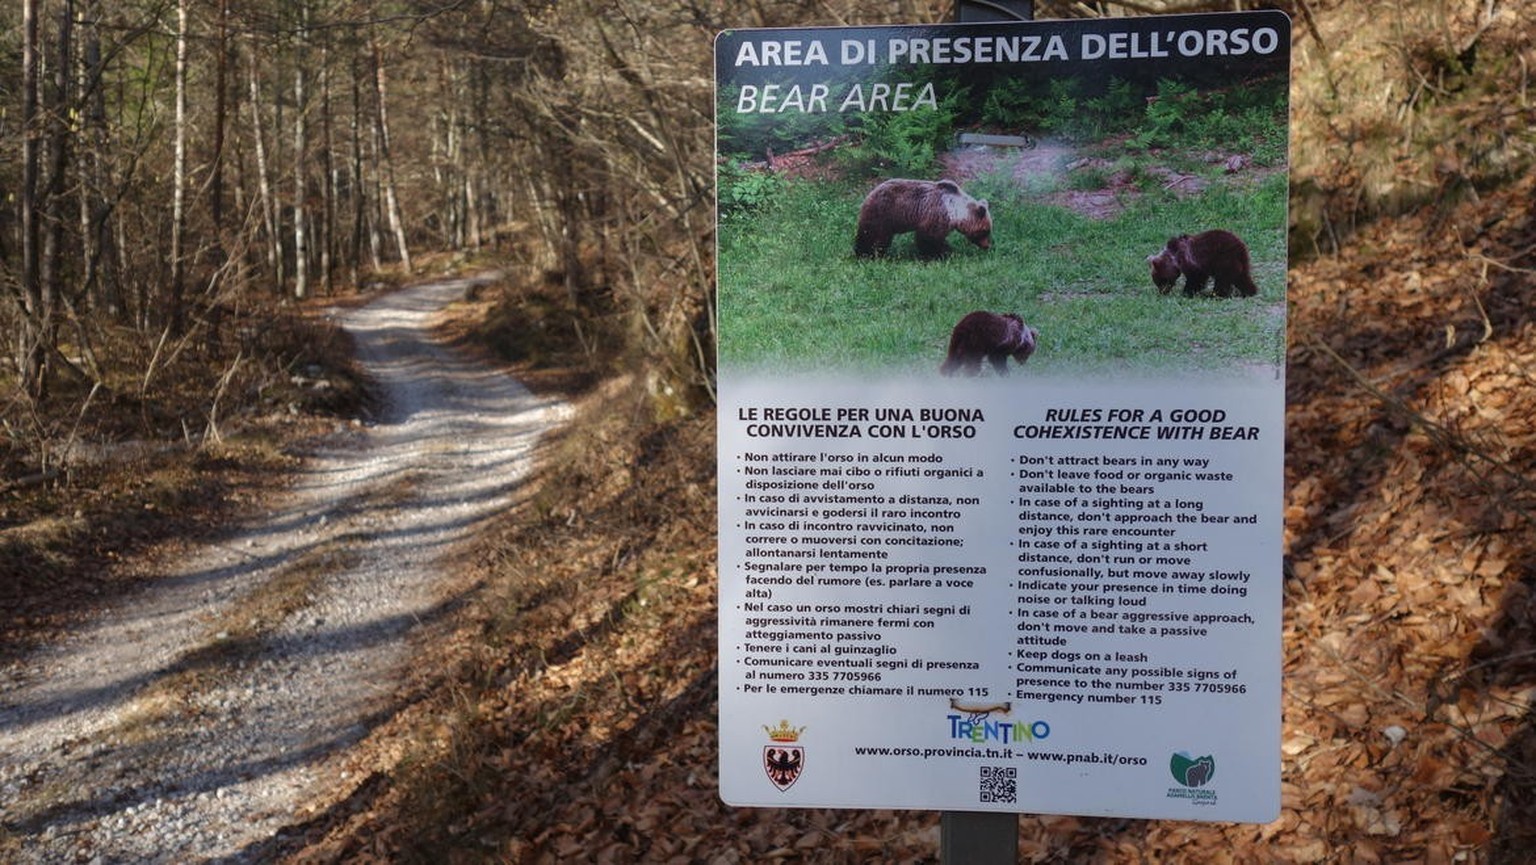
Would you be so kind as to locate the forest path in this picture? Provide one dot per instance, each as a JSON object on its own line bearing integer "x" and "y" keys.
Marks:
{"x": 192, "y": 722}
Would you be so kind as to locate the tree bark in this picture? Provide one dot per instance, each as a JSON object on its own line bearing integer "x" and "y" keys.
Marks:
{"x": 327, "y": 225}
{"x": 356, "y": 185}
{"x": 300, "y": 157}
{"x": 178, "y": 319}
{"x": 216, "y": 170}
{"x": 29, "y": 357}
{"x": 300, "y": 177}
{"x": 273, "y": 246}
{"x": 99, "y": 259}
{"x": 391, "y": 196}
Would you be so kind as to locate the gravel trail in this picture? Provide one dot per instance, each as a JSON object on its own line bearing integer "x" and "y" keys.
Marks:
{"x": 191, "y": 722}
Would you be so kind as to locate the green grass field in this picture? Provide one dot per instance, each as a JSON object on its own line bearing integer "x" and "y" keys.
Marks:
{"x": 793, "y": 296}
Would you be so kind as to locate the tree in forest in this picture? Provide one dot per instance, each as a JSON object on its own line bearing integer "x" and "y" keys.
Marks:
{"x": 178, "y": 163}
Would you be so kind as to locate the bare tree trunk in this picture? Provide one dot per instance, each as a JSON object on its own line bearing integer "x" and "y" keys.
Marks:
{"x": 568, "y": 210}
{"x": 376, "y": 214}
{"x": 356, "y": 186}
{"x": 30, "y": 357}
{"x": 102, "y": 263}
{"x": 391, "y": 198}
{"x": 439, "y": 159}
{"x": 88, "y": 154}
{"x": 274, "y": 250}
{"x": 327, "y": 226}
{"x": 479, "y": 179}
{"x": 455, "y": 175}
{"x": 300, "y": 156}
{"x": 178, "y": 321}
{"x": 40, "y": 205}
{"x": 213, "y": 339}
{"x": 140, "y": 305}
{"x": 473, "y": 235}
{"x": 59, "y": 135}
{"x": 220, "y": 121}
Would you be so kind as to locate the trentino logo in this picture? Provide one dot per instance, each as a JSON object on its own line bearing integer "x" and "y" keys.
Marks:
{"x": 979, "y": 730}
{"x": 1192, "y": 771}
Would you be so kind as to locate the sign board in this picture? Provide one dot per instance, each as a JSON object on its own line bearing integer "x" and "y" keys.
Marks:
{"x": 977, "y": 562}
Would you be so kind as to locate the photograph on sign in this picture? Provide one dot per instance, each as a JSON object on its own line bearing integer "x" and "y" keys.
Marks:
{"x": 1001, "y": 316}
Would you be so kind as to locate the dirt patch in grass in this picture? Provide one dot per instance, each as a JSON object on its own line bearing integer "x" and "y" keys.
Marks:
{"x": 1095, "y": 187}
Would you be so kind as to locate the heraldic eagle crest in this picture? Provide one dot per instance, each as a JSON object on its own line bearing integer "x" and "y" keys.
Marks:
{"x": 783, "y": 761}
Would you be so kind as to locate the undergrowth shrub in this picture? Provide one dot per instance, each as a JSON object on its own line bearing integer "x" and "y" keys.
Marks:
{"x": 902, "y": 143}
{"x": 742, "y": 189}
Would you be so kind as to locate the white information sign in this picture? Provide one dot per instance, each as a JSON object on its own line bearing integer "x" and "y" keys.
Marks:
{"x": 1001, "y": 424}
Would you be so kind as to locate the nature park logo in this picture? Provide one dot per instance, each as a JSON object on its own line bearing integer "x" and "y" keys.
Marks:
{"x": 1193, "y": 774}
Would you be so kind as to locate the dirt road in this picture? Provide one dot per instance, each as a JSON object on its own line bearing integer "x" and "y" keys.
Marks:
{"x": 190, "y": 723}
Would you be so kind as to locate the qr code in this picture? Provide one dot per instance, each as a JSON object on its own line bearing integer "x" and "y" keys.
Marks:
{"x": 998, "y": 784}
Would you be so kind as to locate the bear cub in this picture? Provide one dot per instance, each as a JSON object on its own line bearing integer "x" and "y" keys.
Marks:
{"x": 990, "y": 336}
{"x": 1210, "y": 255}
{"x": 931, "y": 209}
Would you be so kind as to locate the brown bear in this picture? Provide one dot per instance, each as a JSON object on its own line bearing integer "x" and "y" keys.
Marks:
{"x": 991, "y": 336}
{"x": 931, "y": 209}
{"x": 1210, "y": 255}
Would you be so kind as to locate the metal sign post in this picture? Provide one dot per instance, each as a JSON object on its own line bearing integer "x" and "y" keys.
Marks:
{"x": 982, "y": 11}
{"x": 983, "y": 837}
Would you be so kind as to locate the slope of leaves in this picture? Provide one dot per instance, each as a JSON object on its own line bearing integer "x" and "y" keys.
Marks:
{"x": 1398, "y": 105}
{"x": 1410, "y": 525}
